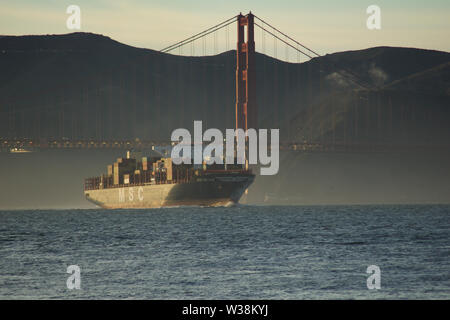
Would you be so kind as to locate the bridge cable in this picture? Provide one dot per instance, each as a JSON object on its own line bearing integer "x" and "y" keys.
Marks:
{"x": 199, "y": 35}
{"x": 282, "y": 40}
{"x": 303, "y": 46}
{"x": 361, "y": 82}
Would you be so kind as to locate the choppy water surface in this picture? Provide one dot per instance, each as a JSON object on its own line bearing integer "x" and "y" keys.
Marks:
{"x": 244, "y": 252}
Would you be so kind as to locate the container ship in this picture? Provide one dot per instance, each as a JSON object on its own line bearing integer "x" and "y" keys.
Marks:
{"x": 154, "y": 182}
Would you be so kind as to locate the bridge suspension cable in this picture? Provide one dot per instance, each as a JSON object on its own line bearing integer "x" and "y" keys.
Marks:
{"x": 281, "y": 36}
{"x": 348, "y": 74}
{"x": 282, "y": 40}
{"x": 285, "y": 35}
{"x": 200, "y": 35}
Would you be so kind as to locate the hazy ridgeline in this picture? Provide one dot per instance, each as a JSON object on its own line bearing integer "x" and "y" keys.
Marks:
{"x": 87, "y": 86}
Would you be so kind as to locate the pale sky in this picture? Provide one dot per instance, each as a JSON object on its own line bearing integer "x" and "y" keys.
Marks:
{"x": 325, "y": 26}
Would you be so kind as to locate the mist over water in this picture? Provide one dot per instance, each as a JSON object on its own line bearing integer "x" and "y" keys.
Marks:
{"x": 355, "y": 178}
{"x": 50, "y": 179}
{"x": 54, "y": 179}
{"x": 243, "y": 252}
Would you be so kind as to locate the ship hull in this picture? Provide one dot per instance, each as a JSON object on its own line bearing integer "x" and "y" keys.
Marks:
{"x": 220, "y": 192}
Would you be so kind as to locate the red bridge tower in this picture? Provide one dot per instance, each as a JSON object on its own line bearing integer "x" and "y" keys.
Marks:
{"x": 246, "y": 112}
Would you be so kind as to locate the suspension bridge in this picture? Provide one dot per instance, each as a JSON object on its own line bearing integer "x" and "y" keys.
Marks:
{"x": 260, "y": 100}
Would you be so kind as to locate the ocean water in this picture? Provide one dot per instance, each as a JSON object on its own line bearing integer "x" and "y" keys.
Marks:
{"x": 243, "y": 252}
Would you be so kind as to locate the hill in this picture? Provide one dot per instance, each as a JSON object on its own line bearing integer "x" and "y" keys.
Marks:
{"x": 88, "y": 86}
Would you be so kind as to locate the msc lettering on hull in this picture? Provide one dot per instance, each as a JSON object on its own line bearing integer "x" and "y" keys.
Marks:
{"x": 131, "y": 196}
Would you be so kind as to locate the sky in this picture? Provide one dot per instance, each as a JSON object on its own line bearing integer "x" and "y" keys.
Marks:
{"x": 325, "y": 26}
